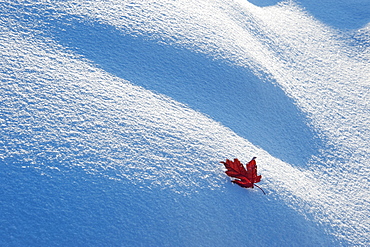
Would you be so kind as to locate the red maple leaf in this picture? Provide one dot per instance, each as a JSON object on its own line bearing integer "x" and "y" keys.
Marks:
{"x": 244, "y": 177}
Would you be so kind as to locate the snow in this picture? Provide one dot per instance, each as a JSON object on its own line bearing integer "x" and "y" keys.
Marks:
{"x": 115, "y": 114}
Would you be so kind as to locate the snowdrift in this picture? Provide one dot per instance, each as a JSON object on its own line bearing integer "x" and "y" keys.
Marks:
{"x": 115, "y": 115}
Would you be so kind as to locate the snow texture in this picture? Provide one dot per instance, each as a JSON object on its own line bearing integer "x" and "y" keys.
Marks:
{"x": 115, "y": 114}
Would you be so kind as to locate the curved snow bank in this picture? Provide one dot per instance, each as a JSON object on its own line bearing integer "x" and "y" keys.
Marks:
{"x": 315, "y": 65}
{"x": 231, "y": 95}
{"x": 59, "y": 111}
{"x": 162, "y": 184}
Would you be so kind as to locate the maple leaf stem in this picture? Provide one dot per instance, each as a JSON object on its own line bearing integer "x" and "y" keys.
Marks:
{"x": 260, "y": 188}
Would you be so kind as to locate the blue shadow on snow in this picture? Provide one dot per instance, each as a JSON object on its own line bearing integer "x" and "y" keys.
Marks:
{"x": 338, "y": 14}
{"x": 264, "y": 3}
{"x": 256, "y": 110}
{"x": 72, "y": 208}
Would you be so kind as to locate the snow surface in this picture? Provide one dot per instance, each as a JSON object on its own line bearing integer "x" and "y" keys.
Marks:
{"x": 115, "y": 115}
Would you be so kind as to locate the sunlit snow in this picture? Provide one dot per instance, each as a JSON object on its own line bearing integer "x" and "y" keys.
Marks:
{"x": 115, "y": 115}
